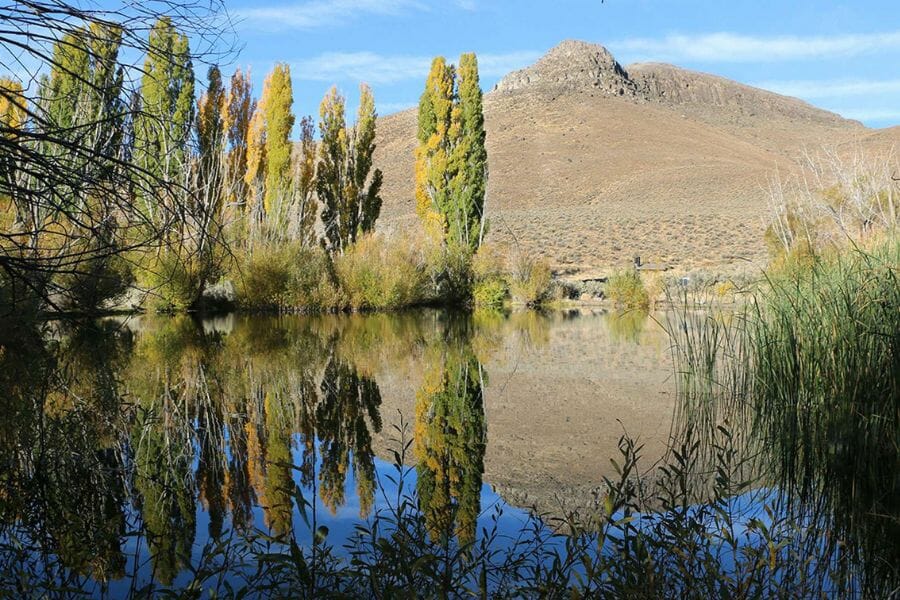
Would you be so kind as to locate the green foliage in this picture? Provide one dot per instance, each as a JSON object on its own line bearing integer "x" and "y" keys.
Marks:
{"x": 350, "y": 198}
{"x": 284, "y": 276}
{"x": 826, "y": 351}
{"x": 491, "y": 293}
{"x": 175, "y": 280}
{"x": 98, "y": 282}
{"x": 627, "y": 290}
{"x": 163, "y": 127}
{"x": 374, "y": 274}
{"x": 490, "y": 288}
{"x": 469, "y": 158}
{"x": 451, "y": 159}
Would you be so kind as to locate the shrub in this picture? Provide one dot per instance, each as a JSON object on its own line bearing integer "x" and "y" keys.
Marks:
{"x": 97, "y": 282}
{"x": 450, "y": 272}
{"x": 490, "y": 293}
{"x": 263, "y": 276}
{"x": 626, "y": 289}
{"x": 376, "y": 275}
{"x": 531, "y": 282}
{"x": 490, "y": 288}
{"x": 174, "y": 283}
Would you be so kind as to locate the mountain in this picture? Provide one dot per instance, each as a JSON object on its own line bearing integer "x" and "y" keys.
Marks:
{"x": 592, "y": 163}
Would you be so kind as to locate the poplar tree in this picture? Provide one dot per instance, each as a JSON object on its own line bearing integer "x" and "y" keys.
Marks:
{"x": 12, "y": 120}
{"x": 239, "y": 109}
{"x": 451, "y": 158}
{"x": 469, "y": 158}
{"x": 211, "y": 134}
{"x": 254, "y": 176}
{"x": 163, "y": 127}
{"x": 304, "y": 184}
{"x": 279, "y": 121}
{"x": 433, "y": 152}
{"x": 83, "y": 100}
{"x": 350, "y": 198}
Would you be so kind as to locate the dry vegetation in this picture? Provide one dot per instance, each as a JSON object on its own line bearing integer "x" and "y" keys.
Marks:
{"x": 587, "y": 181}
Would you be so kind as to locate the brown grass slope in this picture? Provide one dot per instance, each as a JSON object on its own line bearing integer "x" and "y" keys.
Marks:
{"x": 591, "y": 164}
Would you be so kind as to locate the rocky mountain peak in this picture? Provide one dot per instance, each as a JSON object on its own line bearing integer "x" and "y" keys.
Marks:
{"x": 572, "y": 66}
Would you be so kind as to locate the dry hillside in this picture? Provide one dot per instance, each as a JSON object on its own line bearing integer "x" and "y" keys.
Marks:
{"x": 592, "y": 163}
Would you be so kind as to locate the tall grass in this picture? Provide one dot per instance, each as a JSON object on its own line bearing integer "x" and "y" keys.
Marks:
{"x": 826, "y": 348}
{"x": 808, "y": 377}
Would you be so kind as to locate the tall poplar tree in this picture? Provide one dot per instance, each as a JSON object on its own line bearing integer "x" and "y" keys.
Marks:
{"x": 451, "y": 158}
{"x": 255, "y": 175}
{"x": 469, "y": 159}
{"x": 304, "y": 184}
{"x": 239, "y": 109}
{"x": 211, "y": 134}
{"x": 435, "y": 144}
{"x": 12, "y": 120}
{"x": 83, "y": 100}
{"x": 279, "y": 121}
{"x": 350, "y": 197}
{"x": 162, "y": 129}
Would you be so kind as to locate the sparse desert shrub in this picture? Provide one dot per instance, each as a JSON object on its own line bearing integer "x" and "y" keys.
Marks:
{"x": 375, "y": 274}
{"x": 531, "y": 282}
{"x": 627, "y": 290}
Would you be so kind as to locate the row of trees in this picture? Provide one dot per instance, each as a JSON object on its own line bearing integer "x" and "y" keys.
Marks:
{"x": 103, "y": 182}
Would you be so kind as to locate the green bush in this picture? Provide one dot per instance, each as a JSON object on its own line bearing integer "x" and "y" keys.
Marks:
{"x": 490, "y": 293}
{"x": 627, "y": 290}
{"x": 376, "y": 275}
{"x": 174, "y": 283}
{"x": 285, "y": 277}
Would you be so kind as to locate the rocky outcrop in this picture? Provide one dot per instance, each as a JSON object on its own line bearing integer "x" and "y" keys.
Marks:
{"x": 668, "y": 84}
{"x": 572, "y": 66}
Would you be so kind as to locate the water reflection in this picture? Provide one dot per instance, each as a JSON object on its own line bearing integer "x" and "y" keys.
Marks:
{"x": 115, "y": 430}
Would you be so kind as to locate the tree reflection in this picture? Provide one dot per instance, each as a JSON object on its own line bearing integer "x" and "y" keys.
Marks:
{"x": 449, "y": 439}
{"x": 116, "y": 434}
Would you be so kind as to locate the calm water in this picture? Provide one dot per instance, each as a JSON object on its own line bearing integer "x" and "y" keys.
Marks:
{"x": 129, "y": 445}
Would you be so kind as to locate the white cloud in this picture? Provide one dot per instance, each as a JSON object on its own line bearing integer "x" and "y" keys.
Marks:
{"x": 386, "y": 69}
{"x": 319, "y": 13}
{"x": 836, "y": 88}
{"x": 470, "y": 5}
{"x": 733, "y": 47}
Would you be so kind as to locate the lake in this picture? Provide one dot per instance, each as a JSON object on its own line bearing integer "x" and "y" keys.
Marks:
{"x": 132, "y": 446}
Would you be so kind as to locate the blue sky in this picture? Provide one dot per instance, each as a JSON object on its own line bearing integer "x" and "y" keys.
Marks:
{"x": 844, "y": 56}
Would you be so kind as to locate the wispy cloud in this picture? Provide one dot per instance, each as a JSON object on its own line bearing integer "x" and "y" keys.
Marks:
{"x": 379, "y": 69}
{"x": 733, "y": 47}
{"x": 836, "y": 88}
{"x": 319, "y": 13}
